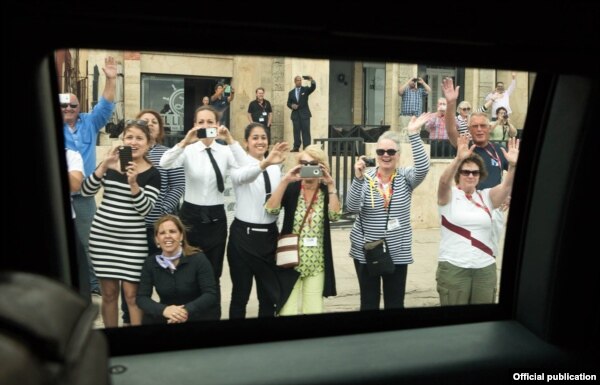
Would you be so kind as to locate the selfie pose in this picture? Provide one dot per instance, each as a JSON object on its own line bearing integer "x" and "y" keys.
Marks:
{"x": 309, "y": 198}
{"x": 205, "y": 163}
{"x": 118, "y": 245}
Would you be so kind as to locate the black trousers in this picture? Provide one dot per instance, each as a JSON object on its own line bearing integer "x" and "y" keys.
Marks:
{"x": 394, "y": 287}
{"x": 207, "y": 229}
{"x": 301, "y": 132}
{"x": 251, "y": 254}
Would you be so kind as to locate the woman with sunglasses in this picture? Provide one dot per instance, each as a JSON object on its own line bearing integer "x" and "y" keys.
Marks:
{"x": 316, "y": 200}
{"x": 382, "y": 197}
{"x": 466, "y": 271}
{"x": 118, "y": 245}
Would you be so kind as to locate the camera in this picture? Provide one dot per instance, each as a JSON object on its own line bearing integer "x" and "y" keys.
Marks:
{"x": 125, "y": 156}
{"x": 227, "y": 90}
{"x": 369, "y": 162}
{"x": 306, "y": 77}
{"x": 311, "y": 172}
{"x": 416, "y": 80}
{"x": 210, "y": 132}
{"x": 64, "y": 98}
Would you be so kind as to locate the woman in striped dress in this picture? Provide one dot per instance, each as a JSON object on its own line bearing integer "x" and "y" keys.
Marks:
{"x": 382, "y": 197}
{"x": 118, "y": 245}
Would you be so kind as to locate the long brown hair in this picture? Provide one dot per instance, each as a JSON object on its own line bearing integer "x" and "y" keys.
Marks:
{"x": 161, "y": 124}
{"x": 187, "y": 248}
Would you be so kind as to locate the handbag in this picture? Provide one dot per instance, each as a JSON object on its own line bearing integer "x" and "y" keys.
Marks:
{"x": 377, "y": 254}
{"x": 287, "y": 254}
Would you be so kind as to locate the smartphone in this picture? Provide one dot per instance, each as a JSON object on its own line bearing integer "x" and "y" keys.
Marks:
{"x": 210, "y": 132}
{"x": 306, "y": 77}
{"x": 125, "y": 156}
{"x": 228, "y": 89}
{"x": 311, "y": 172}
{"x": 64, "y": 98}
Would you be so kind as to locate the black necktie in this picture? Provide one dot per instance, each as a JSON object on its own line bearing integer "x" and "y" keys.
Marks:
{"x": 267, "y": 185}
{"x": 220, "y": 185}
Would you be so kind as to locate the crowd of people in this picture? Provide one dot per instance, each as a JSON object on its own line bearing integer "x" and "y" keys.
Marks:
{"x": 161, "y": 225}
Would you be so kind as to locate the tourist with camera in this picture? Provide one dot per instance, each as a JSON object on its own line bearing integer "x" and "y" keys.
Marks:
{"x": 308, "y": 196}
{"x": 412, "y": 96}
{"x": 221, "y": 100}
{"x": 382, "y": 198}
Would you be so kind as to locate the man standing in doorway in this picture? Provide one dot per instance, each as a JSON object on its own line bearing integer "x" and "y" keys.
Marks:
{"x": 298, "y": 103}
{"x": 260, "y": 110}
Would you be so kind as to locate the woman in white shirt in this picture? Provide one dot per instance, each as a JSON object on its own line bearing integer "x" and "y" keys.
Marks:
{"x": 253, "y": 233}
{"x": 205, "y": 163}
{"x": 466, "y": 271}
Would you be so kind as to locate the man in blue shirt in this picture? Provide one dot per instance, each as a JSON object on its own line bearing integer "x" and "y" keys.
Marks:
{"x": 80, "y": 132}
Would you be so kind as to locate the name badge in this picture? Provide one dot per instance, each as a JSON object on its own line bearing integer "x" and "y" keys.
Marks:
{"x": 261, "y": 119}
{"x": 393, "y": 224}
{"x": 310, "y": 242}
{"x": 264, "y": 113}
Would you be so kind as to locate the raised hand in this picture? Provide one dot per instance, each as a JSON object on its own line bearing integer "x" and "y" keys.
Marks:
{"x": 110, "y": 67}
{"x": 462, "y": 147}
{"x": 512, "y": 155}
{"x": 277, "y": 154}
{"x": 327, "y": 179}
{"x": 293, "y": 175}
{"x": 415, "y": 124}
{"x": 450, "y": 92}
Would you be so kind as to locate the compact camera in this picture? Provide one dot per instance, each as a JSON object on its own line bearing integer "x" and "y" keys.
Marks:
{"x": 207, "y": 132}
{"x": 369, "y": 162}
{"x": 64, "y": 98}
{"x": 416, "y": 80}
{"x": 311, "y": 172}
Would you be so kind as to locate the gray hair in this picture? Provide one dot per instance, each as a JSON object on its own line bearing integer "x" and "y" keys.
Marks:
{"x": 391, "y": 135}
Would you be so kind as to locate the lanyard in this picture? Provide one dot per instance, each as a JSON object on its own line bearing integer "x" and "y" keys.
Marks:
{"x": 484, "y": 207}
{"x": 309, "y": 210}
{"x": 386, "y": 193}
{"x": 494, "y": 156}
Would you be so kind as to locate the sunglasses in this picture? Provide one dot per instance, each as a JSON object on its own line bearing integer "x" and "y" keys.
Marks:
{"x": 468, "y": 172}
{"x": 466, "y": 109}
{"x": 65, "y": 105}
{"x": 136, "y": 122}
{"x": 309, "y": 163}
{"x": 391, "y": 152}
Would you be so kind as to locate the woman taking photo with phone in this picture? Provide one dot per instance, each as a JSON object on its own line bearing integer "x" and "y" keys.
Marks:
{"x": 118, "y": 245}
{"x": 205, "y": 163}
{"x": 309, "y": 204}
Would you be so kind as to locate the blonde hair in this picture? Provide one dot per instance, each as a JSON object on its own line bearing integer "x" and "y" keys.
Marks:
{"x": 316, "y": 152}
{"x": 463, "y": 104}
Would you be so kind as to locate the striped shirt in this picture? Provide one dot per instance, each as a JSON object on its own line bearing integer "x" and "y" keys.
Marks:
{"x": 118, "y": 241}
{"x": 364, "y": 198}
{"x": 172, "y": 186}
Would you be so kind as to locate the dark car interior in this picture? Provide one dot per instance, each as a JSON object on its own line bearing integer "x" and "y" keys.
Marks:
{"x": 547, "y": 320}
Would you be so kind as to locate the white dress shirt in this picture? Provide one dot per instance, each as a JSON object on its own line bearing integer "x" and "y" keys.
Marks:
{"x": 200, "y": 178}
{"x": 249, "y": 186}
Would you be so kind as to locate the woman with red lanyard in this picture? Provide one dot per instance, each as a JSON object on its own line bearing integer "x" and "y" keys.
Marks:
{"x": 317, "y": 200}
{"x": 382, "y": 197}
{"x": 466, "y": 271}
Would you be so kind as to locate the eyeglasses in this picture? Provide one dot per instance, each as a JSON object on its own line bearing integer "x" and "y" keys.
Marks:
{"x": 65, "y": 105}
{"x": 309, "y": 162}
{"x": 391, "y": 152}
{"x": 466, "y": 109}
{"x": 468, "y": 172}
{"x": 478, "y": 125}
{"x": 136, "y": 122}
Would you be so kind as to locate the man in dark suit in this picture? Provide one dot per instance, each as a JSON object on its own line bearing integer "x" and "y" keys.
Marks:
{"x": 298, "y": 103}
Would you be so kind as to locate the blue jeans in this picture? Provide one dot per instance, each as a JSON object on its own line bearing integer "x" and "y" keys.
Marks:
{"x": 85, "y": 208}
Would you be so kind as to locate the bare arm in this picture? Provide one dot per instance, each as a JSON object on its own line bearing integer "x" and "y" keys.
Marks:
{"x": 402, "y": 88}
{"x": 499, "y": 193}
{"x": 110, "y": 71}
{"x": 425, "y": 85}
{"x": 445, "y": 184}
{"x": 451, "y": 94}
